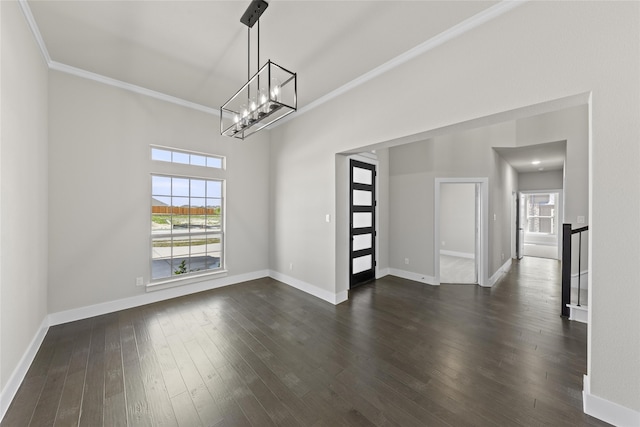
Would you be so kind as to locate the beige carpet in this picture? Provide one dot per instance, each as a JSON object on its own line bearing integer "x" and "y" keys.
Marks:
{"x": 457, "y": 270}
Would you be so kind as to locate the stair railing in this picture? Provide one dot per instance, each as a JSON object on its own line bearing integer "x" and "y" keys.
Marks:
{"x": 567, "y": 233}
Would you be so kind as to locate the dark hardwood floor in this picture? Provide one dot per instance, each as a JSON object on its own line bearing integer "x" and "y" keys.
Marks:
{"x": 262, "y": 353}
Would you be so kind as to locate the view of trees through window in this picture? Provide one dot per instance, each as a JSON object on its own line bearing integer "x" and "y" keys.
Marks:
{"x": 186, "y": 225}
{"x": 541, "y": 211}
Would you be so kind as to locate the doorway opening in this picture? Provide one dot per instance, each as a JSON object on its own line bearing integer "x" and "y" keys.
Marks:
{"x": 458, "y": 233}
{"x": 540, "y": 218}
{"x": 362, "y": 230}
{"x": 461, "y": 230}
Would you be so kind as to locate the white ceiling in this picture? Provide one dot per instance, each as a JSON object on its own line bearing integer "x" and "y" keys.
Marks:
{"x": 550, "y": 155}
{"x": 197, "y": 50}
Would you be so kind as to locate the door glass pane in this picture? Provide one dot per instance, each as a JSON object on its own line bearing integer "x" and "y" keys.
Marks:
{"x": 362, "y": 198}
{"x": 362, "y": 176}
{"x": 362, "y": 263}
{"x": 361, "y": 241}
{"x": 361, "y": 219}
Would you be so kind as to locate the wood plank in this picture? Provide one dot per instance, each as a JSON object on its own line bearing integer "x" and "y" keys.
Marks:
{"x": 262, "y": 353}
{"x": 93, "y": 393}
{"x": 114, "y": 409}
{"x": 137, "y": 405}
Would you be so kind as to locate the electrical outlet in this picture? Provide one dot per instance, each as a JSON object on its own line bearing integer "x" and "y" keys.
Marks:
{"x": 139, "y": 281}
{"x": 406, "y": 261}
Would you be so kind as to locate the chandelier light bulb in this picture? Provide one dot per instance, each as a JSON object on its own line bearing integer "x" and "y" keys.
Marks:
{"x": 245, "y": 116}
{"x": 275, "y": 89}
{"x": 263, "y": 99}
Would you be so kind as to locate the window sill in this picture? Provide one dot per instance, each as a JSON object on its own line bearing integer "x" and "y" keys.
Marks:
{"x": 183, "y": 281}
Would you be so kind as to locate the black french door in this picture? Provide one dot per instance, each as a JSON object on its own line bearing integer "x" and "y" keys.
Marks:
{"x": 362, "y": 213}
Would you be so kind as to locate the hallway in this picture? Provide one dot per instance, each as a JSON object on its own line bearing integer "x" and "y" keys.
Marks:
{"x": 262, "y": 353}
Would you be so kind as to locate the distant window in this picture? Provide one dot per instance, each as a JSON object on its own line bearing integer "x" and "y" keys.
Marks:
{"x": 541, "y": 213}
{"x": 186, "y": 157}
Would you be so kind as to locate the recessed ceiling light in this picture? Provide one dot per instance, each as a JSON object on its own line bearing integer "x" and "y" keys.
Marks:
{"x": 540, "y": 169}
{"x": 535, "y": 162}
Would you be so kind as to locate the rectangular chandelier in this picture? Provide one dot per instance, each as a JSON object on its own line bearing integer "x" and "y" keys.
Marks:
{"x": 267, "y": 97}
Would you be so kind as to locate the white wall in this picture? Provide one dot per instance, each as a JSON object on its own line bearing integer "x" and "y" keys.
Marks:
{"x": 545, "y": 180}
{"x": 458, "y": 217}
{"x": 411, "y": 207}
{"x": 23, "y": 198}
{"x": 538, "y": 52}
{"x": 570, "y": 125}
{"x": 99, "y": 188}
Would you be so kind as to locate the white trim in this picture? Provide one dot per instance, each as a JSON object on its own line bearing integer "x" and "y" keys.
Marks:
{"x": 607, "y": 411}
{"x": 457, "y": 254}
{"x": 184, "y": 280}
{"x": 416, "y": 277}
{"x": 439, "y": 39}
{"x": 559, "y": 216}
{"x": 149, "y": 298}
{"x": 17, "y": 376}
{"x": 28, "y": 15}
{"x": 482, "y": 243}
{"x": 504, "y": 269}
{"x": 333, "y": 298}
{"x": 78, "y": 72}
{"x": 383, "y": 272}
{"x": 578, "y": 313}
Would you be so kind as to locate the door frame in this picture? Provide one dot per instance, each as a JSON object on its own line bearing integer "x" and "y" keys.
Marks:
{"x": 482, "y": 219}
{"x": 370, "y": 274}
{"x": 560, "y": 215}
{"x": 371, "y": 159}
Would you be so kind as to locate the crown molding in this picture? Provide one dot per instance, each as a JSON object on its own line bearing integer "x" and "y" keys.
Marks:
{"x": 79, "y": 72}
{"x": 57, "y": 66}
{"x": 463, "y": 27}
{"x": 26, "y": 11}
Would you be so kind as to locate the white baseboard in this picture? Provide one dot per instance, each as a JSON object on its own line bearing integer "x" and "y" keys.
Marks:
{"x": 578, "y": 313}
{"x": 16, "y": 378}
{"x": 416, "y": 277}
{"x": 457, "y": 254}
{"x": 584, "y": 280}
{"x": 149, "y": 298}
{"x": 382, "y": 272}
{"x": 333, "y": 298}
{"x": 498, "y": 274}
{"x": 13, "y": 384}
{"x": 607, "y": 411}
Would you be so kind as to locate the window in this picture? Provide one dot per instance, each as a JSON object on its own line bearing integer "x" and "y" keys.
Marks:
{"x": 541, "y": 212}
{"x": 186, "y": 157}
{"x": 187, "y": 227}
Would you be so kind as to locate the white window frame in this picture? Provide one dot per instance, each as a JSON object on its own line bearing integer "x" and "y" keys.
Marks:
{"x": 184, "y": 171}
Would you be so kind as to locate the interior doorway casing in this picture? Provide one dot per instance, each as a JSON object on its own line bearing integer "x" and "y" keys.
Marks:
{"x": 560, "y": 215}
{"x": 482, "y": 242}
